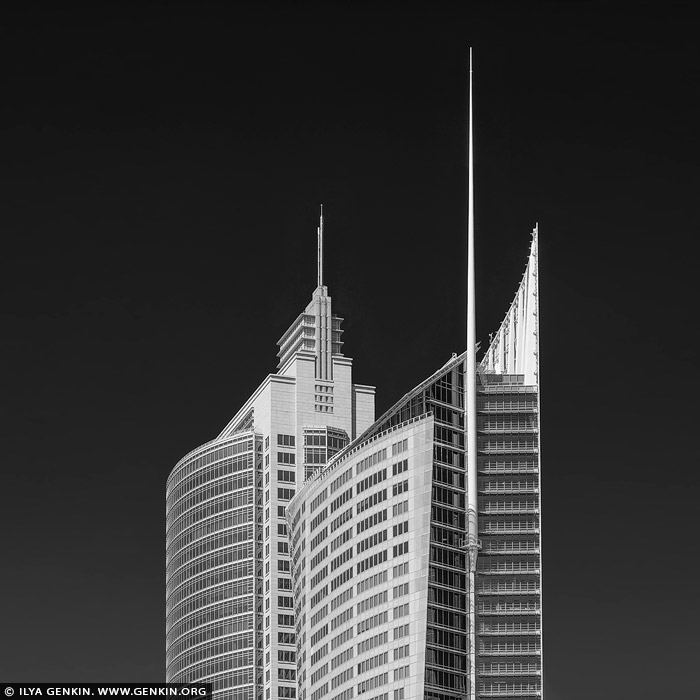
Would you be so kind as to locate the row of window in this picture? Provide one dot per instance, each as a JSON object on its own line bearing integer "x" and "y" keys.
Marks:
{"x": 217, "y": 630}
{"x": 215, "y": 455}
{"x": 341, "y": 480}
{"x": 319, "y": 499}
{"x": 341, "y": 539}
{"x": 213, "y": 560}
{"x": 372, "y": 642}
{"x": 318, "y": 538}
{"x": 214, "y": 472}
{"x": 343, "y": 498}
{"x": 341, "y": 599}
{"x": 399, "y": 447}
{"x": 371, "y": 480}
{"x": 226, "y": 608}
{"x": 371, "y": 521}
{"x": 372, "y": 541}
{"x": 224, "y": 521}
{"x": 209, "y": 596}
{"x": 342, "y": 658}
{"x": 208, "y": 492}
{"x": 208, "y": 544}
{"x": 369, "y": 462}
{"x": 209, "y": 579}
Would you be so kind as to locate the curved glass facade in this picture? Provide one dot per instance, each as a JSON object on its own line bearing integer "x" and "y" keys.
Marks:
{"x": 212, "y": 566}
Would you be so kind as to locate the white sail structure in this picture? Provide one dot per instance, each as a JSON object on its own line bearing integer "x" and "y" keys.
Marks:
{"x": 514, "y": 348}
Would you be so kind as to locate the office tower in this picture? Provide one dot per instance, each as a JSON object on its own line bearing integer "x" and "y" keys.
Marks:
{"x": 230, "y": 617}
{"x": 380, "y": 549}
{"x": 416, "y": 549}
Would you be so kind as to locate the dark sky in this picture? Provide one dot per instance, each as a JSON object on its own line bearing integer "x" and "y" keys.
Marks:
{"x": 160, "y": 176}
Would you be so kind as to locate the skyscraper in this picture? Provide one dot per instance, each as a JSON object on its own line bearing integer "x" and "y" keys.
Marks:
{"x": 391, "y": 601}
{"x": 407, "y": 565}
{"x": 416, "y": 549}
{"x": 229, "y": 609}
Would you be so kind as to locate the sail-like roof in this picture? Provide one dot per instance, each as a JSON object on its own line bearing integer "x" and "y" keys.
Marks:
{"x": 514, "y": 348}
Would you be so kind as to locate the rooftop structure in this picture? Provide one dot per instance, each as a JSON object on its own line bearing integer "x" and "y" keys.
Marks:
{"x": 416, "y": 550}
{"x": 229, "y": 605}
{"x": 407, "y": 565}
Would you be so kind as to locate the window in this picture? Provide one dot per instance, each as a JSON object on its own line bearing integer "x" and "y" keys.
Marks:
{"x": 401, "y": 549}
{"x": 402, "y": 569}
{"x": 341, "y": 559}
{"x": 371, "y": 480}
{"x": 372, "y": 500}
{"x": 372, "y": 581}
{"x": 284, "y": 475}
{"x": 335, "y": 504}
{"x": 285, "y": 440}
{"x": 399, "y": 447}
{"x": 341, "y": 519}
{"x": 342, "y": 638}
{"x": 400, "y": 508}
{"x": 371, "y": 521}
{"x": 399, "y": 467}
{"x": 341, "y": 579}
{"x": 401, "y": 631}
{"x": 371, "y": 541}
{"x": 372, "y": 642}
{"x": 400, "y": 611}
{"x": 370, "y": 461}
{"x": 400, "y": 528}
{"x": 400, "y": 590}
{"x": 286, "y": 458}
{"x": 399, "y": 488}
{"x": 400, "y": 673}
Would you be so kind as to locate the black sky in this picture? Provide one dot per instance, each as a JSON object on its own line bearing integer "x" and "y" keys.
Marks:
{"x": 160, "y": 176}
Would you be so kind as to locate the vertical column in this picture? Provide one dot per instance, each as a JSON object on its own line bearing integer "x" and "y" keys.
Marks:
{"x": 470, "y": 410}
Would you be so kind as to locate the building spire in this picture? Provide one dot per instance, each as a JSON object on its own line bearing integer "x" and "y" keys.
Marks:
{"x": 470, "y": 374}
{"x": 319, "y": 280}
{"x": 472, "y": 539}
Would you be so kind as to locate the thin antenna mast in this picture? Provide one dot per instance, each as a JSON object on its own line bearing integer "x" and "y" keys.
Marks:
{"x": 319, "y": 279}
{"x": 470, "y": 409}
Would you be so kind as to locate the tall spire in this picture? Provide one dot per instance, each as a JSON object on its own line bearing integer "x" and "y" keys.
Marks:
{"x": 470, "y": 374}
{"x": 472, "y": 541}
{"x": 319, "y": 277}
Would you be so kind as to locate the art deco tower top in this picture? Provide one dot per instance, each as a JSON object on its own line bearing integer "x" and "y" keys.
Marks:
{"x": 316, "y": 331}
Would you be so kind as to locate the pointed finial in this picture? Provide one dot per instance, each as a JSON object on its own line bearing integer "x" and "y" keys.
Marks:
{"x": 319, "y": 279}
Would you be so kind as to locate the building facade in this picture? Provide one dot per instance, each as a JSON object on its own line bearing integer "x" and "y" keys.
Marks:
{"x": 315, "y": 553}
{"x": 229, "y": 608}
{"x": 386, "y": 607}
